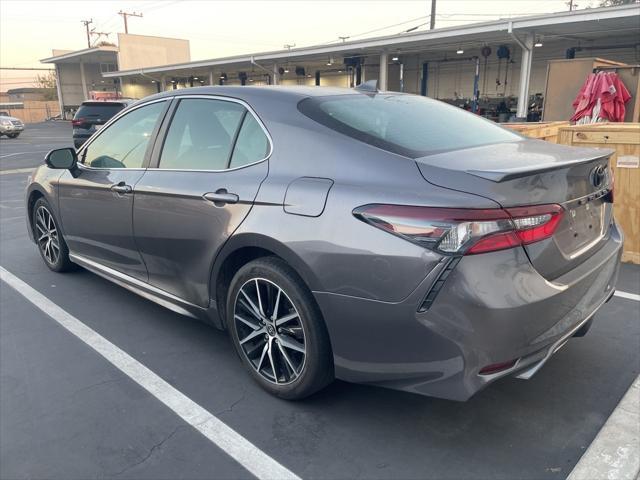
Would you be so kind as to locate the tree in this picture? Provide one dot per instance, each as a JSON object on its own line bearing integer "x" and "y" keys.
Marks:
{"x": 47, "y": 82}
{"x": 615, "y": 3}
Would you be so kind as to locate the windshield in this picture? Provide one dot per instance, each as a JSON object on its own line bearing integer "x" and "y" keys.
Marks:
{"x": 409, "y": 125}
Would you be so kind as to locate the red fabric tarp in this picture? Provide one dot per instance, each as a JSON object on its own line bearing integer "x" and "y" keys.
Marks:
{"x": 603, "y": 91}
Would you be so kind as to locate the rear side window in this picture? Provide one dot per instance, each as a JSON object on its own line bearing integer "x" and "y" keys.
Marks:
{"x": 252, "y": 144}
{"x": 100, "y": 111}
{"x": 201, "y": 134}
{"x": 409, "y": 125}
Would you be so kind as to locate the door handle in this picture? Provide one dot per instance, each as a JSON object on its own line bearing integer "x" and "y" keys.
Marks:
{"x": 121, "y": 188}
{"x": 221, "y": 197}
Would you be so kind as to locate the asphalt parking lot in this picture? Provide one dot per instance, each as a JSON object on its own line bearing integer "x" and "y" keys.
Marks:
{"x": 67, "y": 413}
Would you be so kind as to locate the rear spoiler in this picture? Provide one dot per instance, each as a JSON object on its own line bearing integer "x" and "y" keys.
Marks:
{"x": 504, "y": 174}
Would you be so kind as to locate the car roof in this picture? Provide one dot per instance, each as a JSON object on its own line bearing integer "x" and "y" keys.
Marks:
{"x": 294, "y": 93}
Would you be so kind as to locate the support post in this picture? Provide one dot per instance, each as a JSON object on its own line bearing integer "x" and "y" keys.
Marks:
{"x": 382, "y": 79}
{"x": 59, "y": 89}
{"x": 317, "y": 78}
{"x": 276, "y": 74}
{"x": 424, "y": 79}
{"x": 525, "y": 74}
{"x": 476, "y": 93}
{"x": 84, "y": 81}
{"x": 211, "y": 78}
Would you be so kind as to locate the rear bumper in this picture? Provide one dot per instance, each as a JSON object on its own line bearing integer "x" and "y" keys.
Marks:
{"x": 492, "y": 308}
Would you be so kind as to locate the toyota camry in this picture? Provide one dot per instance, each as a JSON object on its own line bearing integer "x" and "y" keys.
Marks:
{"x": 374, "y": 237}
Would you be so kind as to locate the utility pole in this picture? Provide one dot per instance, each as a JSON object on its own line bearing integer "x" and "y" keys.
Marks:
{"x": 86, "y": 26}
{"x": 127, "y": 14}
{"x": 432, "y": 18}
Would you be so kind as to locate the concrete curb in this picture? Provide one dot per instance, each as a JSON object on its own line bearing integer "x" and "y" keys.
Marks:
{"x": 615, "y": 452}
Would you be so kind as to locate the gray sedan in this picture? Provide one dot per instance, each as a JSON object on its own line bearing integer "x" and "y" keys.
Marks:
{"x": 374, "y": 237}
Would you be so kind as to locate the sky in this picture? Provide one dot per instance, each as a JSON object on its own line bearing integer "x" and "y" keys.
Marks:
{"x": 30, "y": 29}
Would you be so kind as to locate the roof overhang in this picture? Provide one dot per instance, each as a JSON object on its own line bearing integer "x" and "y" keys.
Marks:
{"x": 93, "y": 55}
{"x": 588, "y": 24}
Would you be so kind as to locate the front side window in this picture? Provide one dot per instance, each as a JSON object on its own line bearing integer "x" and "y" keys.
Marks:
{"x": 405, "y": 124}
{"x": 124, "y": 143}
{"x": 201, "y": 135}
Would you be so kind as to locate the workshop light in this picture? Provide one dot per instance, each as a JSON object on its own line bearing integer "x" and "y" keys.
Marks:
{"x": 460, "y": 51}
{"x": 195, "y": 78}
{"x": 286, "y": 70}
{"x": 394, "y": 59}
{"x": 538, "y": 43}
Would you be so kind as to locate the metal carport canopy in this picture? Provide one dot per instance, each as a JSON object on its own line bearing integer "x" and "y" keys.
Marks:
{"x": 587, "y": 23}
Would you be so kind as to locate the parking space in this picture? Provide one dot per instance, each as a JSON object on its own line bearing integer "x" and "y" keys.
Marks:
{"x": 65, "y": 412}
{"x": 29, "y": 148}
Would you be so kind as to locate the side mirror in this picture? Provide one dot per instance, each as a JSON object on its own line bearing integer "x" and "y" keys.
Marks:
{"x": 62, "y": 158}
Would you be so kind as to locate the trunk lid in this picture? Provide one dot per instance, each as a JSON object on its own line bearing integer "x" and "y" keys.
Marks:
{"x": 534, "y": 172}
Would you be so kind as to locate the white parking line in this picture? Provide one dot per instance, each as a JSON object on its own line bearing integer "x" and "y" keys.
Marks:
{"x": 22, "y": 153}
{"x": 627, "y": 295}
{"x": 231, "y": 442}
{"x": 615, "y": 452}
{"x": 17, "y": 170}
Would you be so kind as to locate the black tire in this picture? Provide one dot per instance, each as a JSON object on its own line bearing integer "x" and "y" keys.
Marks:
{"x": 61, "y": 261}
{"x": 13, "y": 135}
{"x": 315, "y": 370}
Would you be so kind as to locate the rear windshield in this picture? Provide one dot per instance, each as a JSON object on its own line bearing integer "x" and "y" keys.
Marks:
{"x": 409, "y": 125}
{"x": 103, "y": 111}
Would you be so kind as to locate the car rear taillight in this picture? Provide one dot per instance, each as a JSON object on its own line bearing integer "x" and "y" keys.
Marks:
{"x": 457, "y": 231}
{"x": 77, "y": 122}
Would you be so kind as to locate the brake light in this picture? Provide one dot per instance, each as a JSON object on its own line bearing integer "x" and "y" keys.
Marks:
{"x": 456, "y": 231}
{"x": 77, "y": 122}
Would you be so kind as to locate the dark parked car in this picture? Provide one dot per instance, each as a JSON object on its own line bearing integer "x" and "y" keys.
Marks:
{"x": 92, "y": 115}
{"x": 374, "y": 237}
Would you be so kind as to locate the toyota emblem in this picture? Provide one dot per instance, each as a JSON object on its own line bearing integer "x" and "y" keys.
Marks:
{"x": 598, "y": 176}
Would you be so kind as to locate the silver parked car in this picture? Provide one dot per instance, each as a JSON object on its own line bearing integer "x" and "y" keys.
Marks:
{"x": 374, "y": 237}
{"x": 10, "y": 126}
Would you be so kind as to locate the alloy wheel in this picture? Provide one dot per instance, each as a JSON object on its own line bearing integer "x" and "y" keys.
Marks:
{"x": 270, "y": 331}
{"x": 47, "y": 235}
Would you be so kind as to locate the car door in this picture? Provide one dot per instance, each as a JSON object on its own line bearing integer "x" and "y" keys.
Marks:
{"x": 206, "y": 175}
{"x": 96, "y": 200}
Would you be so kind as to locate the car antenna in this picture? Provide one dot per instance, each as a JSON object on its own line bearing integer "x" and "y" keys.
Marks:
{"x": 370, "y": 86}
